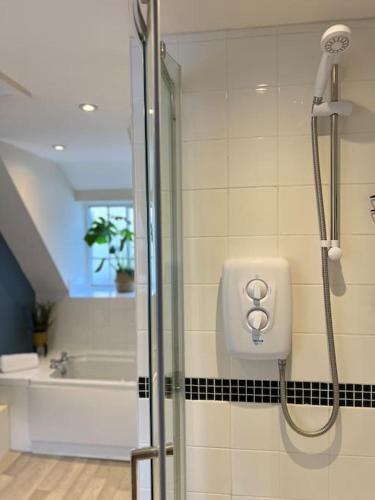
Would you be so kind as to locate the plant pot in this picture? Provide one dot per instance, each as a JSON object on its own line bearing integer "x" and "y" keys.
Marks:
{"x": 124, "y": 282}
{"x": 40, "y": 340}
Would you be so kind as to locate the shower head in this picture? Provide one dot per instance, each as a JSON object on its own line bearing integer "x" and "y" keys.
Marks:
{"x": 335, "y": 41}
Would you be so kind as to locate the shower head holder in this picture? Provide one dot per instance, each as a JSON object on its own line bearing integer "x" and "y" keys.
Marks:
{"x": 341, "y": 108}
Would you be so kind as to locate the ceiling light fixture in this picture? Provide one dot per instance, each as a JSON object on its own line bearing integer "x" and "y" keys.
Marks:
{"x": 88, "y": 108}
{"x": 59, "y": 147}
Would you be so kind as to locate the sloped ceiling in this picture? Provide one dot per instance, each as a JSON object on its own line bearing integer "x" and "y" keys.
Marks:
{"x": 25, "y": 242}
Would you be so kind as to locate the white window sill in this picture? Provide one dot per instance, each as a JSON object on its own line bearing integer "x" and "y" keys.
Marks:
{"x": 98, "y": 293}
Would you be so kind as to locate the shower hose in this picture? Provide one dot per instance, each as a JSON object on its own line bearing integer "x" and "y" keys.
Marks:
{"x": 327, "y": 307}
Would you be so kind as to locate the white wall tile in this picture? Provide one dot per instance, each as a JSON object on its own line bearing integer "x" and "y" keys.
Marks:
{"x": 204, "y": 164}
{"x": 141, "y": 308}
{"x": 357, "y": 154}
{"x": 203, "y": 65}
{"x": 303, "y": 254}
{"x": 355, "y": 64}
{"x": 142, "y": 353}
{"x": 303, "y": 477}
{"x": 252, "y": 211}
{"x": 208, "y": 424}
{"x": 253, "y": 162}
{"x": 99, "y": 313}
{"x": 294, "y": 110}
{"x": 140, "y": 214}
{"x": 357, "y": 263}
{"x": 252, "y": 246}
{"x": 141, "y": 260}
{"x": 252, "y": 112}
{"x": 144, "y": 421}
{"x": 251, "y": 61}
{"x": 308, "y": 313}
{"x": 255, "y": 426}
{"x": 306, "y": 349}
{"x": 206, "y": 355}
{"x": 205, "y": 212}
{"x": 352, "y": 309}
{"x": 295, "y": 160}
{"x": 355, "y": 207}
{"x": 252, "y": 369}
{"x": 203, "y": 259}
{"x": 139, "y": 168}
{"x": 355, "y": 358}
{"x": 297, "y": 210}
{"x": 206, "y": 496}
{"x": 208, "y": 470}
{"x": 350, "y": 476}
{"x": 201, "y": 303}
{"x": 255, "y": 31}
{"x": 298, "y": 57}
{"x": 362, "y": 95}
{"x": 310, "y": 418}
{"x": 357, "y": 435}
{"x": 94, "y": 324}
{"x": 235, "y": 497}
{"x": 204, "y": 115}
{"x": 255, "y": 473}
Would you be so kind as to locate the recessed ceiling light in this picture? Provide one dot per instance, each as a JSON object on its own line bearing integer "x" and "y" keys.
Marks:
{"x": 59, "y": 147}
{"x": 88, "y": 107}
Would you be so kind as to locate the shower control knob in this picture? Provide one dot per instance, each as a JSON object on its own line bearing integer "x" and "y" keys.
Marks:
{"x": 257, "y": 289}
{"x": 257, "y": 319}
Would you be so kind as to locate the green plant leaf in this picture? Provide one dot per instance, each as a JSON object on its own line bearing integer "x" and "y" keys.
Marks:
{"x": 100, "y": 266}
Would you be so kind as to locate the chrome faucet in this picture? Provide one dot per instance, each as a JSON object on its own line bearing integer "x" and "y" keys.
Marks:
{"x": 60, "y": 364}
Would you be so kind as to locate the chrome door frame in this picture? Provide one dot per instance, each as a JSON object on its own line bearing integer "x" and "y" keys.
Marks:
{"x": 143, "y": 31}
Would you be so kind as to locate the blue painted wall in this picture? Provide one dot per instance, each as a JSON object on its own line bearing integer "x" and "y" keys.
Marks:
{"x": 16, "y": 297}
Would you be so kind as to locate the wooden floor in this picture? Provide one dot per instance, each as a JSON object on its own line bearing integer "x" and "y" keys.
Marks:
{"x": 34, "y": 477}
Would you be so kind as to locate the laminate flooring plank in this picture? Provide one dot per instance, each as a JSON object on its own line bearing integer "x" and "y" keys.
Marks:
{"x": 24, "y": 476}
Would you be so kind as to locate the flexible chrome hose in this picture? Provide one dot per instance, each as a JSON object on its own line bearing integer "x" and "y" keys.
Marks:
{"x": 327, "y": 307}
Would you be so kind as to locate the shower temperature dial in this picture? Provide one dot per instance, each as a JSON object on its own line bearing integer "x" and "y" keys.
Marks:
{"x": 257, "y": 289}
{"x": 257, "y": 319}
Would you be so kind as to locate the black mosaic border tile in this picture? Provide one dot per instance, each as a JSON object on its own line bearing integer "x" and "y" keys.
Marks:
{"x": 267, "y": 391}
{"x": 143, "y": 387}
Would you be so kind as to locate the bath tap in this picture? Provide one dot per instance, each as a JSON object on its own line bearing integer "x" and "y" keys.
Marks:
{"x": 59, "y": 364}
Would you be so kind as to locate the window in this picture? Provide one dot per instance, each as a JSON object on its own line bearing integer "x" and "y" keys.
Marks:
{"x": 123, "y": 217}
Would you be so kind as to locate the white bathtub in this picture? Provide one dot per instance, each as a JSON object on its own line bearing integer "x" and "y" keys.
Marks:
{"x": 98, "y": 367}
{"x": 89, "y": 412}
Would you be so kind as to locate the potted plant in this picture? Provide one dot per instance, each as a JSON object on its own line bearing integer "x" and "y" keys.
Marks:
{"x": 41, "y": 317}
{"x": 106, "y": 232}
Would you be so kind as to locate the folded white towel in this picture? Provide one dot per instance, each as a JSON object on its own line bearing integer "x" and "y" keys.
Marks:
{"x": 17, "y": 362}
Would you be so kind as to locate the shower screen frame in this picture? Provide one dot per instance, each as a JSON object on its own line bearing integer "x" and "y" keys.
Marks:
{"x": 161, "y": 109}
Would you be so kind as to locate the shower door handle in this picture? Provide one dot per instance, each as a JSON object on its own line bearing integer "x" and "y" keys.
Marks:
{"x": 140, "y": 454}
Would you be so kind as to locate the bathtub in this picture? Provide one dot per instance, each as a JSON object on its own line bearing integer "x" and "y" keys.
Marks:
{"x": 94, "y": 367}
{"x": 91, "y": 411}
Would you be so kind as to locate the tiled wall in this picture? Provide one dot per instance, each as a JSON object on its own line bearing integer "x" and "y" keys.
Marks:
{"x": 248, "y": 191}
{"x": 94, "y": 324}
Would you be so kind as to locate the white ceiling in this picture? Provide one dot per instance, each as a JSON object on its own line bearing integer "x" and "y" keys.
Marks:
{"x": 66, "y": 53}
{"x": 74, "y": 51}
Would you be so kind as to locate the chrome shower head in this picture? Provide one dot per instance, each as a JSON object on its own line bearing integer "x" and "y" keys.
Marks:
{"x": 335, "y": 40}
